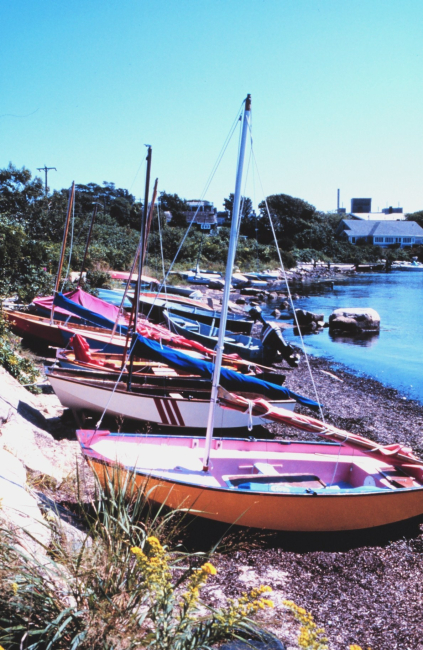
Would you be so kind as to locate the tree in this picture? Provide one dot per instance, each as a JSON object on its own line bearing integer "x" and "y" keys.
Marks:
{"x": 416, "y": 216}
{"x": 248, "y": 226}
{"x": 176, "y": 206}
{"x": 19, "y": 194}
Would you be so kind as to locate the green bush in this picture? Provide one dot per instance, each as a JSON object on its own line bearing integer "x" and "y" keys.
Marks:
{"x": 125, "y": 587}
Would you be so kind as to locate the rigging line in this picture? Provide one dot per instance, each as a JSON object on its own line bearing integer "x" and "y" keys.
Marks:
{"x": 209, "y": 180}
{"x": 161, "y": 246}
{"x": 137, "y": 172}
{"x": 287, "y": 285}
{"x": 71, "y": 245}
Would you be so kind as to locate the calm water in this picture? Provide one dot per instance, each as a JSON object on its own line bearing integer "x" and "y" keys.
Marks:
{"x": 395, "y": 356}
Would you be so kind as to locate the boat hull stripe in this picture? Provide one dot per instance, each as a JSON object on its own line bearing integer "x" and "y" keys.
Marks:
{"x": 159, "y": 406}
{"x": 170, "y": 413}
{"x": 178, "y": 414}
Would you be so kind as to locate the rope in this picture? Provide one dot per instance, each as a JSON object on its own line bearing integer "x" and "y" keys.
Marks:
{"x": 286, "y": 282}
{"x": 71, "y": 245}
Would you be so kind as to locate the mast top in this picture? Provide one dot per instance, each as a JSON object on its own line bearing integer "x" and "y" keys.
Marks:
{"x": 248, "y": 103}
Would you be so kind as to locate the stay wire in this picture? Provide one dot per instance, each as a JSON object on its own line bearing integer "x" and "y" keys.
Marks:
{"x": 287, "y": 284}
{"x": 206, "y": 187}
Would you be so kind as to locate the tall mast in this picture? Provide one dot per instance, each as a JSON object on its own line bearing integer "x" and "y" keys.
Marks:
{"x": 141, "y": 254}
{"x": 62, "y": 252}
{"x": 226, "y": 290}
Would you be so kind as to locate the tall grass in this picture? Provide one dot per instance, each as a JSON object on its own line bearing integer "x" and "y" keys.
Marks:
{"x": 126, "y": 585}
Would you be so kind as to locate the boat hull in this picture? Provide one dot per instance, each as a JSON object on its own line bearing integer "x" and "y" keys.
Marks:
{"x": 173, "y": 411}
{"x": 307, "y": 512}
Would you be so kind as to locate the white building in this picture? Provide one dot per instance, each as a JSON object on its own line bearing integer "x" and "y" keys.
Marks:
{"x": 381, "y": 233}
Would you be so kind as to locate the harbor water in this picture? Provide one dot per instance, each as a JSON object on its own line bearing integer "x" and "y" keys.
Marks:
{"x": 395, "y": 355}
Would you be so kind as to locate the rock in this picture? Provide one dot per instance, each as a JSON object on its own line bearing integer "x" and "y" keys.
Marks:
{"x": 216, "y": 284}
{"x": 343, "y": 324}
{"x": 276, "y": 313}
{"x": 306, "y": 318}
{"x": 240, "y": 301}
{"x": 355, "y": 320}
{"x": 24, "y": 432}
{"x": 19, "y": 510}
{"x": 265, "y": 642}
{"x": 272, "y": 296}
{"x": 284, "y": 304}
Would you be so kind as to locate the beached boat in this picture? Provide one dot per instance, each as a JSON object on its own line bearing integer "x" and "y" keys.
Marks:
{"x": 180, "y": 406}
{"x": 247, "y": 347}
{"x": 153, "y": 307}
{"x": 166, "y": 404}
{"x": 344, "y": 483}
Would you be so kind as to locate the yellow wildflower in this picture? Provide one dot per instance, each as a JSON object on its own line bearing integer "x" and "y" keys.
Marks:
{"x": 14, "y": 589}
{"x": 137, "y": 551}
{"x": 354, "y": 646}
{"x": 209, "y": 569}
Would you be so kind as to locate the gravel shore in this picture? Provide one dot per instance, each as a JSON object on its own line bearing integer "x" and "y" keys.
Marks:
{"x": 364, "y": 588}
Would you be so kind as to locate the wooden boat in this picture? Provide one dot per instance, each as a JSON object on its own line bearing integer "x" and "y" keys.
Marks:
{"x": 58, "y": 334}
{"x": 153, "y": 307}
{"x": 247, "y": 347}
{"x": 343, "y": 483}
{"x": 176, "y": 403}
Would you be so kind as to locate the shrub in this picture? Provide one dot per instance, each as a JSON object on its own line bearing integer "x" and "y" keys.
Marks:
{"x": 123, "y": 588}
{"x": 18, "y": 366}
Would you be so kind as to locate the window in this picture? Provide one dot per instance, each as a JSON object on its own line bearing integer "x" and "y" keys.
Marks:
{"x": 378, "y": 239}
{"x": 353, "y": 240}
{"x": 406, "y": 240}
{"x": 389, "y": 240}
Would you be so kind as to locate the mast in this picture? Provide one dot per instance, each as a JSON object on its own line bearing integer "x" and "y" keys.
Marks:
{"x": 87, "y": 244}
{"x": 226, "y": 290}
{"x": 141, "y": 254}
{"x": 62, "y": 252}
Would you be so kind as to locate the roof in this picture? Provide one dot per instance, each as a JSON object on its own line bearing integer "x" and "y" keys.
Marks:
{"x": 381, "y": 228}
{"x": 378, "y": 216}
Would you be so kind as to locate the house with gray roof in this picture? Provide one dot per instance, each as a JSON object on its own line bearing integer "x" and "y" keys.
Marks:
{"x": 381, "y": 233}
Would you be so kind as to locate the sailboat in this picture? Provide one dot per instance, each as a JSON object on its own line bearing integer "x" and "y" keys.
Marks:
{"x": 344, "y": 482}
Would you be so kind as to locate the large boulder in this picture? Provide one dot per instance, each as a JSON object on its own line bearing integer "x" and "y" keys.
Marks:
{"x": 355, "y": 320}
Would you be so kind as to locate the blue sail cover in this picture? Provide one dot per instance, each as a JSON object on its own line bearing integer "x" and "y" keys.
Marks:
{"x": 229, "y": 379}
{"x": 91, "y": 316}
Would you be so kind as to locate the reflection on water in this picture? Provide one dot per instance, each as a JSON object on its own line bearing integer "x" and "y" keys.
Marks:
{"x": 395, "y": 355}
{"x": 364, "y": 340}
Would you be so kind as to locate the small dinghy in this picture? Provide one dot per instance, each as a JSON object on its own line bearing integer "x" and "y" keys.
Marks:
{"x": 342, "y": 483}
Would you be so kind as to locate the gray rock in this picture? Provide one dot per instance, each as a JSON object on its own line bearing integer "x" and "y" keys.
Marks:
{"x": 276, "y": 313}
{"x": 306, "y": 318}
{"x": 265, "y": 642}
{"x": 240, "y": 301}
{"x": 355, "y": 320}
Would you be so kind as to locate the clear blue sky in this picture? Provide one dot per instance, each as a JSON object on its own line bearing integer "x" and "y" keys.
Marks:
{"x": 336, "y": 88}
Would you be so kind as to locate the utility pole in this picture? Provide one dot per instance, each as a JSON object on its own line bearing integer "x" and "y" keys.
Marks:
{"x": 46, "y": 170}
